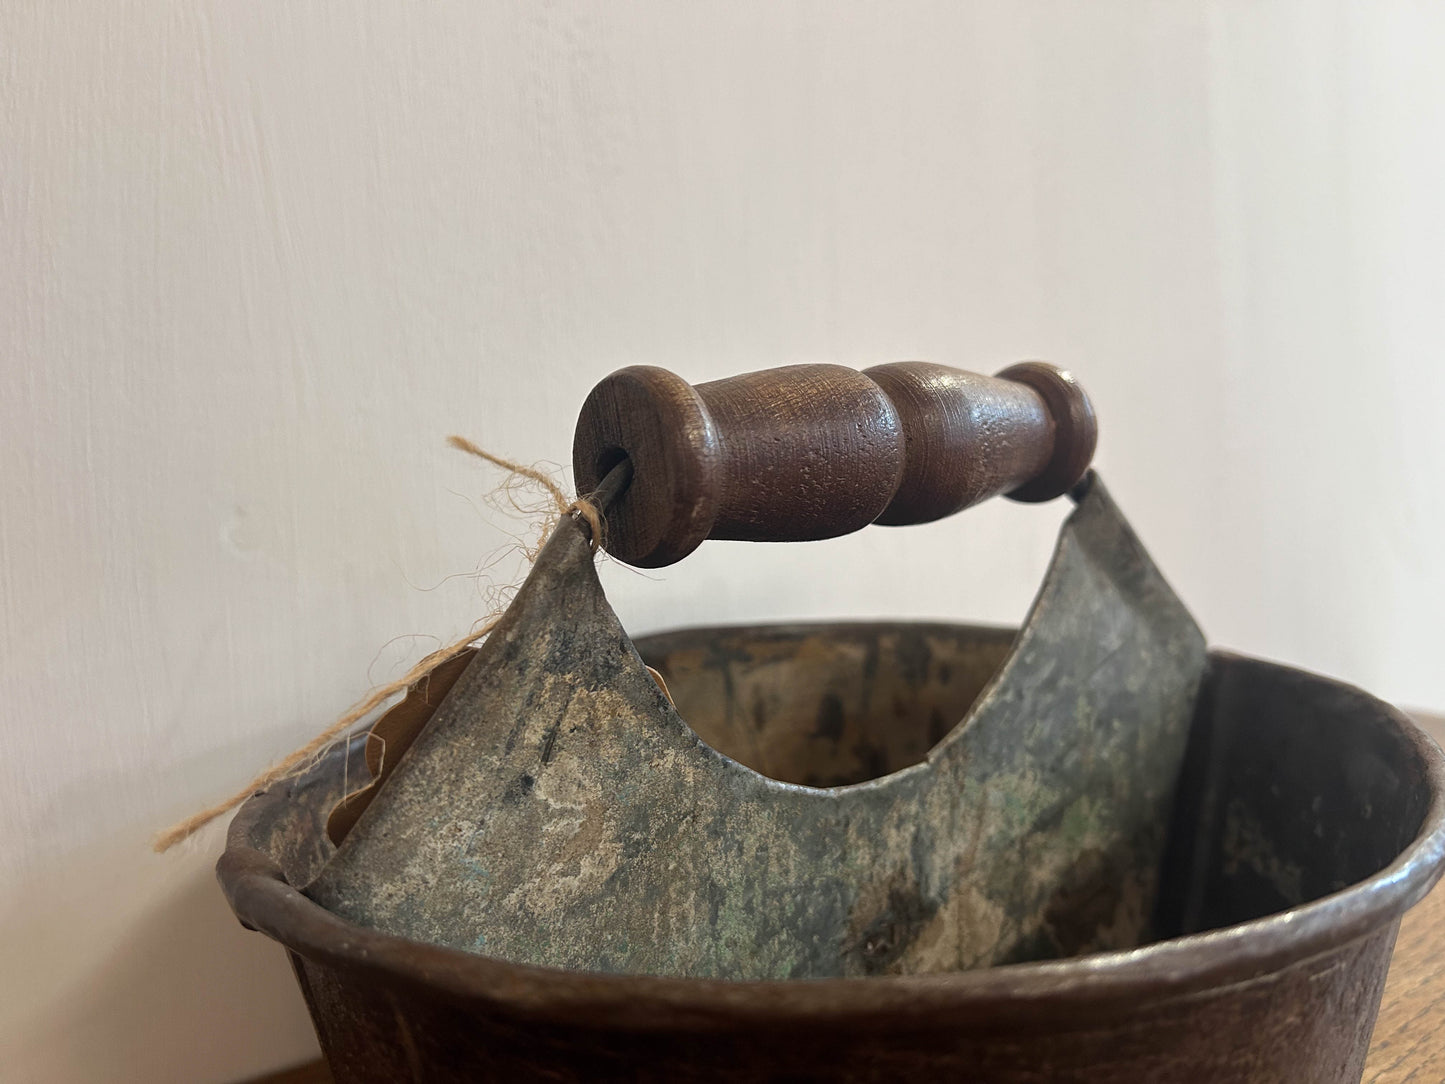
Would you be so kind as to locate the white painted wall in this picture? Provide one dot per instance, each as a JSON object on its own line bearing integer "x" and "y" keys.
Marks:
{"x": 259, "y": 258}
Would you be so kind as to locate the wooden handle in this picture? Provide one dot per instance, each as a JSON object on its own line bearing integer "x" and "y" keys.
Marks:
{"x": 814, "y": 451}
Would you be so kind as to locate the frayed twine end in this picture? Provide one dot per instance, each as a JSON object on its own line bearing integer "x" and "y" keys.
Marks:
{"x": 304, "y": 757}
{"x": 582, "y": 508}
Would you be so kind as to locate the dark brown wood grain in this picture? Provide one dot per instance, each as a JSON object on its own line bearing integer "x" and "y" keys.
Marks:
{"x": 809, "y": 451}
{"x": 1076, "y": 430}
{"x": 659, "y": 421}
{"x": 968, "y": 438}
{"x": 814, "y": 451}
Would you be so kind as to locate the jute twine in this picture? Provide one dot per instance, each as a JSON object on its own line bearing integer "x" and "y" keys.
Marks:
{"x": 304, "y": 757}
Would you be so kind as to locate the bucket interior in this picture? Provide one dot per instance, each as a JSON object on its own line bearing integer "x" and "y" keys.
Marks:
{"x": 826, "y": 706}
{"x": 1293, "y": 786}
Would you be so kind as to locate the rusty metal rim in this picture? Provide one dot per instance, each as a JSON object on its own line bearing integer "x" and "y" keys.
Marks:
{"x": 1166, "y": 970}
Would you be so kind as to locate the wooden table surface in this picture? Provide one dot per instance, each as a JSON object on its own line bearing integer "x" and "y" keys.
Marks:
{"x": 1409, "y": 1041}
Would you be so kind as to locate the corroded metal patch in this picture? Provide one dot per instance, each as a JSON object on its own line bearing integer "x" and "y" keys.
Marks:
{"x": 558, "y": 810}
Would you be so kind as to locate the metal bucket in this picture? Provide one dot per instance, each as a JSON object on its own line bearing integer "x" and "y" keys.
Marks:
{"x": 1308, "y": 817}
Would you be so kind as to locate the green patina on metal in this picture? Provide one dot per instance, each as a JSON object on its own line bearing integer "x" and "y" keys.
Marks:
{"x": 971, "y": 800}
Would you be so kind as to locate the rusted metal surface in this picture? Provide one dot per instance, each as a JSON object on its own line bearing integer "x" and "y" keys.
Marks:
{"x": 1287, "y": 996}
{"x": 557, "y": 810}
{"x": 1235, "y": 927}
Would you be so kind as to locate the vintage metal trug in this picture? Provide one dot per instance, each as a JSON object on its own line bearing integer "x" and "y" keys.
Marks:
{"x": 558, "y": 810}
{"x": 1088, "y": 851}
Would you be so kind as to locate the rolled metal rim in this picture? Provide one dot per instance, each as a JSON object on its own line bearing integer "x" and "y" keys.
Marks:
{"x": 1090, "y": 986}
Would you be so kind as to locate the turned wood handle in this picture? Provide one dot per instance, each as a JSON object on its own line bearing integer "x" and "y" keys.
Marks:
{"x": 814, "y": 451}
